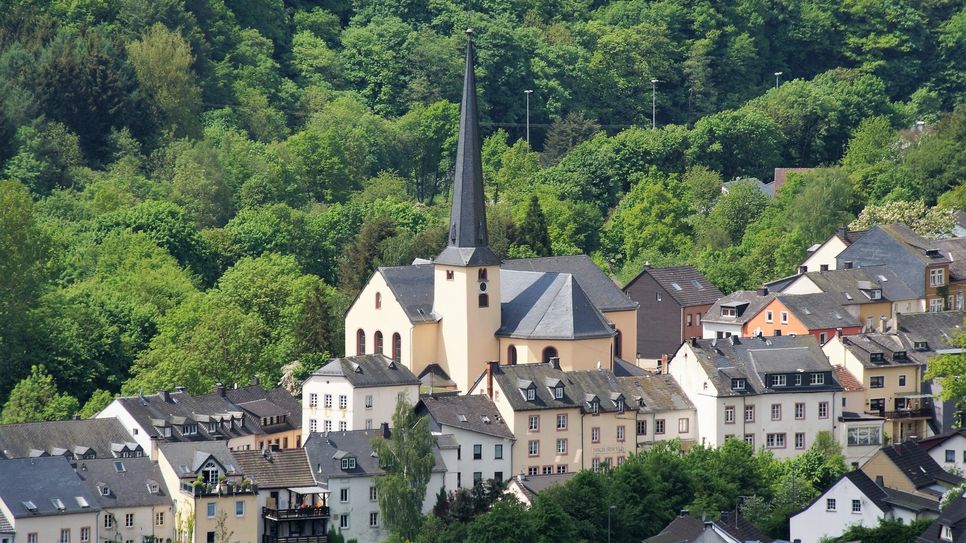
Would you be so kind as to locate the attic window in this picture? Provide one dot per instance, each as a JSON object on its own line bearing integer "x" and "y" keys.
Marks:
{"x": 184, "y": 469}
{"x": 531, "y": 394}
{"x": 620, "y": 405}
{"x": 728, "y": 312}
{"x": 847, "y": 295}
{"x": 697, "y": 284}
{"x": 153, "y": 487}
{"x": 899, "y": 355}
{"x": 876, "y": 357}
{"x": 30, "y": 506}
{"x": 558, "y": 392}
{"x": 875, "y": 294}
{"x": 777, "y": 380}
{"x": 119, "y": 467}
{"x": 105, "y": 490}
{"x": 349, "y": 462}
{"x": 676, "y": 286}
{"x": 946, "y": 533}
{"x": 462, "y": 418}
{"x": 58, "y": 504}
{"x": 921, "y": 346}
{"x": 738, "y": 384}
{"x": 595, "y": 407}
{"x": 82, "y": 502}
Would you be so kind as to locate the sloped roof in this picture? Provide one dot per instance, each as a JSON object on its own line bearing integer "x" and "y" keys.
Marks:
{"x": 849, "y": 382}
{"x": 915, "y": 244}
{"x": 473, "y": 413}
{"x": 194, "y": 454}
{"x": 685, "y": 284}
{"x": 578, "y": 386}
{"x": 937, "y": 329}
{"x": 739, "y": 528}
{"x": 126, "y": 487}
{"x": 369, "y": 370}
{"x": 893, "y": 287}
{"x": 862, "y": 346}
{"x": 683, "y": 528}
{"x": 954, "y": 517}
{"x": 656, "y": 393}
{"x": 284, "y": 468}
{"x": 326, "y": 451}
{"x": 746, "y": 302}
{"x": 413, "y": 288}
{"x": 93, "y": 435}
{"x": 916, "y": 464}
{"x": 931, "y": 442}
{"x": 532, "y": 485}
{"x": 818, "y": 311}
{"x": 897, "y": 247}
{"x": 848, "y": 286}
{"x": 754, "y": 358}
{"x": 601, "y": 290}
{"x": 548, "y": 306}
{"x": 281, "y": 399}
{"x": 955, "y": 251}
{"x": 41, "y": 480}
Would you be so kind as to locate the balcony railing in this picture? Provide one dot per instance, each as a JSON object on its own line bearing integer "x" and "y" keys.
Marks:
{"x": 295, "y": 539}
{"x": 924, "y": 412}
{"x": 302, "y": 513}
{"x": 221, "y": 489}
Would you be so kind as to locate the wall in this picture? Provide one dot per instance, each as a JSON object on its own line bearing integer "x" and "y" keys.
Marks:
{"x": 389, "y": 319}
{"x": 671, "y": 425}
{"x": 710, "y": 329}
{"x": 116, "y": 410}
{"x": 359, "y": 506}
{"x": 794, "y": 326}
{"x": 488, "y": 466}
{"x": 356, "y": 414}
{"x": 825, "y": 254}
{"x": 626, "y": 322}
{"x": 696, "y": 329}
{"x": 658, "y": 320}
{"x": 816, "y": 522}
{"x": 575, "y": 355}
{"x": 48, "y": 527}
{"x": 143, "y": 523}
{"x": 245, "y": 527}
{"x": 956, "y": 444}
{"x": 609, "y": 449}
{"x": 892, "y": 477}
{"x": 691, "y": 377}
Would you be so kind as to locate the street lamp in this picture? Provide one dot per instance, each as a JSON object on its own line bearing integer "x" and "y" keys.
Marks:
{"x": 654, "y": 83}
{"x": 528, "y": 92}
{"x": 777, "y": 75}
{"x": 609, "y": 509}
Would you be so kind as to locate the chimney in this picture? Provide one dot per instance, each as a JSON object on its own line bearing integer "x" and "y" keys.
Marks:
{"x": 255, "y": 381}
{"x": 842, "y": 232}
{"x": 663, "y": 367}
{"x": 220, "y": 389}
{"x": 847, "y": 265}
{"x": 882, "y": 324}
{"x": 693, "y": 340}
{"x": 491, "y": 368}
{"x": 763, "y": 291}
{"x": 76, "y": 417}
{"x": 647, "y": 264}
{"x": 165, "y": 396}
{"x": 386, "y": 433}
{"x": 802, "y": 270}
{"x": 555, "y": 362}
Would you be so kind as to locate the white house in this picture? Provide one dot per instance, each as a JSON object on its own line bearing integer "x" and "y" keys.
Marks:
{"x": 345, "y": 463}
{"x": 664, "y": 411}
{"x": 856, "y": 500}
{"x": 355, "y": 393}
{"x": 777, "y": 393}
{"x": 484, "y": 441}
{"x": 728, "y": 315}
{"x": 948, "y": 450}
{"x": 821, "y": 256}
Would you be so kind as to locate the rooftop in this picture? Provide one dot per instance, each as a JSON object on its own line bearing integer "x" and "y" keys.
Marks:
{"x": 124, "y": 482}
{"x": 849, "y": 382}
{"x": 685, "y": 284}
{"x": 746, "y": 303}
{"x": 601, "y": 290}
{"x": 580, "y": 388}
{"x": 653, "y": 393}
{"x": 283, "y": 468}
{"x": 818, "y": 311}
{"x": 44, "y": 486}
{"x": 72, "y": 438}
{"x": 875, "y": 350}
{"x": 368, "y": 370}
{"x": 916, "y": 464}
{"x": 473, "y": 413}
{"x": 187, "y": 458}
{"x": 548, "y": 306}
{"x": 325, "y": 453}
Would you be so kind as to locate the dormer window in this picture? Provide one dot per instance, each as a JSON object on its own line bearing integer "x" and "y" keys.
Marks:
{"x": 189, "y": 429}
{"x": 738, "y": 384}
{"x": 937, "y": 277}
{"x": 58, "y": 504}
{"x": 728, "y": 312}
{"x": 946, "y": 533}
{"x": 349, "y": 462}
{"x": 212, "y": 427}
{"x": 620, "y": 405}
{"x": 778, "y": 380}
{"x": 876, "y": 294}
{"x": 163, "y": 431}
{"x": 558, "y": 392}
{"x": 105, "y": 490}
{"x": 899, "y": 355}
{"x": 119, "y": 466}
{"x": 153, "y": 487}
{"x": 531, "y": 394}
{"x": 816, "y": 379}
{"x": 920, "y": 345}
{"x": 876, "y": 357}
{"x": 595, "y": 407}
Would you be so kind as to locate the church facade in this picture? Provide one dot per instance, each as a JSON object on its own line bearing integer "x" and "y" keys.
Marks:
{"x": 452, "y": 315}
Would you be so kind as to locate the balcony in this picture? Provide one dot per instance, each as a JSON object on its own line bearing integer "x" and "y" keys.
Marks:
{"x": 302, "y": 513}
{"x": 197, "y": 490}
{"x": 921, "y": 413}
{"x": 295, "y": 539}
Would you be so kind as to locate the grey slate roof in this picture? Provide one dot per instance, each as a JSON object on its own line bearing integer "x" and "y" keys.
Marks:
{"x": 685, "y": 528}
{"x": 894, "y": 245}
{"x": 890, "y": 346}
{"x": 548, "y": 306}
{"x": 532, "y": 485}
{"x": 746, "y": 302}
{"x": 368, "y": 370}
{"x": 254, "y": 395}
{"x": 602, "y": 291}
{"x": 284, "y": 468}
{"x": 685, "y": 284}
{"x": 655, "y": 393}
{"x": 193, "y": 455}
{"x": 40, "y": 480}
{"x": 127, "y": 488}
{"x": 413, "y": 288}
{"x": 953, "y": 517}
{"x": 955, "y": 250}
{"x": 325, "y": 452}
{"x": 467, "y": 240}
{"x": 818, "y": 311}
{"x": 916, "y": 464}
{"x": 579, "y": 387}
{"x": 473, "y": 413}
{"x": 77, "y": 437}
{"x": 893, "y": 287}
{"x": 754, "y": 358}
{"x": 931, "y": 442}
{"x": 848, "y": 287}
{"x": 936, "y": 329}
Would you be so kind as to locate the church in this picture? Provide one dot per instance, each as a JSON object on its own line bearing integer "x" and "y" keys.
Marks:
{"x": 446, "y": 318}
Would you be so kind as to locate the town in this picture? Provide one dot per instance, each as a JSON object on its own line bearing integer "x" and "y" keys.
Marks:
{"x": 397, "y": 325}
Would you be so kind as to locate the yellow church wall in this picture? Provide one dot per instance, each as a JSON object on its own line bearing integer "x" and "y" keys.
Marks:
{"x": 388, "y": 318}
{"x": 626, "y": 322}
{"x": 575, "y": 355}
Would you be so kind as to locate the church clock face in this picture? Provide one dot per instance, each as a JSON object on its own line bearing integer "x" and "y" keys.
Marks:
{"x": 483, "y": 286}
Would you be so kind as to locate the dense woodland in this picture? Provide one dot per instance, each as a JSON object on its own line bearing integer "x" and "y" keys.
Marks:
{"x": 193, "y": 191}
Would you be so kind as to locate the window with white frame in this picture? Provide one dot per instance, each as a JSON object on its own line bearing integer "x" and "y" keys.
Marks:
{"x": 595, "y": 464}
{"x": 65, "y": 535}
{"x": 159, "y": 518}
{"x": 533, "y": 447}
{"x": 799, "y": 411}
{"x": 562, "y": 421}
{"x": 129, "y": 520}
{"x": 749, "y": 413}
{"x": 729, "y": 414}
{"x": 658, "y": 426}
{"x": 684, "y": 425}
{"x": 561, "y": 446}
{"x": 210, "y": 510}
{"x": 313, "y": 400}
{"x": 620, "y": 433}
{"x": 344, "y": 521}
{"x": 936, "y": 305}
{"x": 776, "y": 411}
{"x": 373, "y": 519}
{"x": 750, "y": 439}
{"x": 85, "y": 534}
{"x": 642, "y": 427}
{"x": 108, "y": 521}
{"x": 533, "y": 423}
{"x": 343, "y": 401}
{"x": 498, "y": 451}
{"x": 595, "y": 435}
{"x": 902, "y": 380}
{"x": 327, "y": 426}
{"x": 799, "y": 440}
{"x": 32, "y": 537}
{"x": 937, "y": 277}
{"x": 239, "y": 508}
{"x": 877, "y": 381}
{"x": 344, "y": 495}
{"x": 823, "y": 410}
{"x": 327, "y": 401}
{"x": 769, "y": 316}
{"x": 946, "y": 533}
{"x": 313, "y": 425}
{"x": 816, "y": 379}
{"x": 478, "y": 451}
{"x": 373, "y": 496}
{"x": 775, "y": 441}
{"x": 784, "y": 317}
{"x": 531, "y": 394}
{"x": 778, "y": 380}
{"x": 343, "y": 426}
{"x": 368, "y": 401}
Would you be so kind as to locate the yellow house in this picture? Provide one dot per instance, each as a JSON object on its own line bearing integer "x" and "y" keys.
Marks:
{"x": 564, "y": 421}
{"x": 890, "y": 378}
{"x": 452, "y": 315}
{"x": 212, "y": 497}
{"x": 906, "y": 467}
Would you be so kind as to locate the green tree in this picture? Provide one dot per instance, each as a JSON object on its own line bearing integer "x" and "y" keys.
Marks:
{"x": 532, "y": 230}
{"x": 506, "y": 521}
{"x": 734, "y": 211}
{"x": 36, "y": 399}
{"x": 407, "y": 459}
{"x": 948, "y": 370}
{"x": 564, "y": 134}
{"x": 96, "y": 403}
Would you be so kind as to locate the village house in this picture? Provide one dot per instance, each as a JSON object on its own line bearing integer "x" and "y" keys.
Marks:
{"x": 859, "y": 433}
{"x": 820, "y": 315}
{"x": 485, "y": 444}
{"x": 907, "y": 467}
{"x": 727, "y": 316}
{"x": 674, "y": 301}
{"x": 950, "y": 527}
{"x": 776, "y": 393}
{"x": 526, "y": 488}
{"x": 947, "y": 449}
{"x": 664, "y": 411}
{"x": 355, "y": 393}
{"x": 927, "y": 335}
{"x": 730, "y": 527}
{"x": 821, "y": 256}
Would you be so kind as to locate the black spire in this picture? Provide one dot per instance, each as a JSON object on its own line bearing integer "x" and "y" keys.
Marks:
{"x": 467, "y": 243}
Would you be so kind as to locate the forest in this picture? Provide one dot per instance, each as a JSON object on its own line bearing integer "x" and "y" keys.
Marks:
{"x": 193, "y": 191}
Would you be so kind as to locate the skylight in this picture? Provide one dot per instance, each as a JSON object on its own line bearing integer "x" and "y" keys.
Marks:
{"x": 697, "y": 284}
{"x": 82, "y": 501}
{"x": 119, "y": 466}
{"x": 184, "y": 469}
{"x": 676, "y": 286}
{"x": 462, "y": 418}
{"x": 58, "y": 504}
{"x": 30, "y": 506}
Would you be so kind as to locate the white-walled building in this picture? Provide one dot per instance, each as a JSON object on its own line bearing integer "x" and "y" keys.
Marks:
{"x": 345, "y": 463}
{"x": 485, "y": 444}
{"x": 821, "y": 256}
{"x": 728, "y": 315}
{"x": 775, "y": 392}
{"x": 355, "y": 393}
{"x": 948, "y": 450}
{"x": 856, "y": 500}
{"x": 664, "y": 411}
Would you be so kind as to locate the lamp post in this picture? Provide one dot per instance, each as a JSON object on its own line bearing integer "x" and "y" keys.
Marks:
{"x": 654, "y": 83}
{"x": 528, "y": 92}
{"x": 609, "y": 509}
{"x": 777, "y": 75}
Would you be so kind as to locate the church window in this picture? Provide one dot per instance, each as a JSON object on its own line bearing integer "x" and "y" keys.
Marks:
{"x": 360, "y": 341}
{"x": 548, "y": 353}
{"x": 449, "y": 275}
{"x": 378, "y": 300}
{"x": 511, "y": 355}
{"x": 484, "y": 299}
{"x": 482, "y": 274}
{"x": 396, "y": 347}
{"x": 378, "y": 342}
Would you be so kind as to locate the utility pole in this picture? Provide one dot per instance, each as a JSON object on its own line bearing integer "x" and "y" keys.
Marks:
{"x": 528, "y": 92}
{"x": 654, "y": 83}
{"x": 777, "y": 75}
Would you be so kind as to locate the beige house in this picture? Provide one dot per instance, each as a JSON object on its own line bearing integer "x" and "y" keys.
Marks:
{"x": 891, "y": 380}
{"x": 664, "y": 411}
{"x": 135, "y": 503}
{"x": 44, "y": 501}
{"x": 563, "y": 420}
{"x": 907, "y": 467}
{"x": 211, "y": 495}
{"x": 447, "y": 318}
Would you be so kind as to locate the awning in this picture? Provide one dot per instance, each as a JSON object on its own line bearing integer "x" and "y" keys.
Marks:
{"x": 309, "y": 490}
{"x": 912, "y": 395}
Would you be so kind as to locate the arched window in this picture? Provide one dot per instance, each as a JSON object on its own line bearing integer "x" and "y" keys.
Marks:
{"x": 618, "y": 339}
{"x": 548, "y": 353}
{"x": 481, "y": 275}
{"x": 360, "y": 341}
{"x": 378, "y": 342}
{"x": 396, "y": 347}
{"x": 378, "y": 300}
{"x": 511, "y": 355}
{"x": 484, "y": 300}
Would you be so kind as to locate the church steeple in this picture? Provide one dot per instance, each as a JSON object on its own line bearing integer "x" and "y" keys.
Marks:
{"x": 467, "y": 243}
